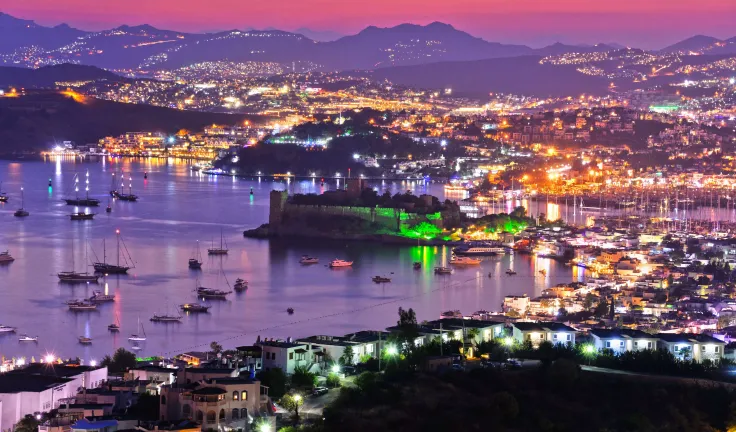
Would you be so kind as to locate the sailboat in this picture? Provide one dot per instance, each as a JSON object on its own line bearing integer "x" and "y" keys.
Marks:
{"x": 222, "y": 250}
{"x": 114, "y": 327}
{"x": 165, "y": 318}
{"x": 21, "y": 212}
{"x": 113, "y": 191}
{"x": 105, "y": 267}
{"x": 141, "y": 335}
{"x": 86, "y": 201}
{"x": 195, "y": 263}
{"x": 74, "y": 277}
{"x": 3, "y": 195}
{"x": 122, "y": 195}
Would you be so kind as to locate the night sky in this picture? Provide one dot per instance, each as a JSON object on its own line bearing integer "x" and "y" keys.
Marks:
{"x": 641, "y": 23}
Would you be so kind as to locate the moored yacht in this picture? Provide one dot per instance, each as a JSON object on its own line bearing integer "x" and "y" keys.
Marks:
{"x": 194, "y": 307}
{"x": 336, "y": 263}
{"x": 107, "y": 268}
{"x": 222, "y": 250}
{"x": 5, "y": 257}
{"x": 82, "y": 306}
{"x": 165, "y": 318}
{"x": 240, "y": 285}
{"x": 442, "y": 270}
{"x": 26, "y": 338}
{"x": 306, "y": 259}
{"x": 140, "y": 336}
{"x": 6, "y": 329}
{"x": 21, "y": 212}
{"x": 83, "y": 202}
{"x": 462, "y": 260}
{"x": 99, "y": 297}
{"x": 82, "y": 216}
{"x": 85, "y": 340}
{"x": 74, "y": 277}
{"x": 211, "y": 293}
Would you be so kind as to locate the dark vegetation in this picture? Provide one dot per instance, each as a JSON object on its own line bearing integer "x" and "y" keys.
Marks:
{"x": 50, "y": 75}
{"x": 39, "y": 119}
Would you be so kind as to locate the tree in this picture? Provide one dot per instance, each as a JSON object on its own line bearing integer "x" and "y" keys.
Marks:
{"x": 121, "y": 361}
{"x": 291, "y": 402}
{"x": 275, "y": 380}
{"x": 347, "y": 356}
{"x": 588, "y": 302}
{"x": 602, "y": 309}
{"x": 29, "y": 423}
{"x": 333, "y": 380}
{"x": 215, "y": 347}
{"x": 302, "y": 378}
{"x": 407, "y": 329}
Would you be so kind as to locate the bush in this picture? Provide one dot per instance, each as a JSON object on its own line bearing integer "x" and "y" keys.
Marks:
{"x": 333, "y": 381}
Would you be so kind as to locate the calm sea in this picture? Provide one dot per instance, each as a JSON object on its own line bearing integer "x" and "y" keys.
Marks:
{"x": 177, "y": 208}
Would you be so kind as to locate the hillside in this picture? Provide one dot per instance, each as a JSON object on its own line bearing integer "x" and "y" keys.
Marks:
{"x": 50, "y": 75}
{"x": 37, "y": 120}
{"x": 520, "y": 75}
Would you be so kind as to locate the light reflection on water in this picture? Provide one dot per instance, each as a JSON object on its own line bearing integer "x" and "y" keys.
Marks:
{"x": 178, "y": 207}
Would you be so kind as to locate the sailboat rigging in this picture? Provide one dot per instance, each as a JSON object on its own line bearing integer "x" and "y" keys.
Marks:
{"x": 195, "y": 263}
{"x": 121, "y": 195}
{"x": 141, "y": 335}
{"x": 105, "y": 267}
{"x": 73, "y": 276}
{"x": 21, "y": 212}
{"x": 86, "y": 201}
{"x": 222, "y": 250}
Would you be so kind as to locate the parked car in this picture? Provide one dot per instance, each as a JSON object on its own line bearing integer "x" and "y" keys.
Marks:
{"x": 348, "y": 370}
{"x": 512, "y": 364}
{"x": 319, "y": 391}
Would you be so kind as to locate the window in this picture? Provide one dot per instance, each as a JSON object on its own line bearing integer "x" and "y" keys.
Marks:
{"x": 273, "y": 356}
{"x": 569, "y": 337}
{"x": 211, "y": 417}
{"x": 621, "y": 344}
{"x": 608, "y": 344}
{"x": 163, "y": 400}
{"x": 244, "y": 395}
{"x": 702, "y": 348}
{"x": 649, "y": 345}
{"x": 244, "y": 413}
{"x": 222, "y": 414}
{"x": 554, "y": 336}
{"x": 291, "y": 356}
{"x": 236, "y": 395}
{"x": 717, "y": 349}
{"x": 200, "y": 416}
{"x": 236, "y": 414}
{"x": 186, "y": 411}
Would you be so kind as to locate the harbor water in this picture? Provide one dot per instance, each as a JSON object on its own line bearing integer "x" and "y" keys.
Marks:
{"x": 177, "y": 208}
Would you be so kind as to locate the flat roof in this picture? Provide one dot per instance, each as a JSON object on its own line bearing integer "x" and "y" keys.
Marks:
{"x": 53, "y": 370}
{"x": 20, "y": 382}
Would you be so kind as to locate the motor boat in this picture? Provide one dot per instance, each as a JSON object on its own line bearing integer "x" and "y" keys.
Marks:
{"x": 305, "y": 259}
{"x": 85, "y": 340}
{"x": 211, "y": 293}
{"x": 81, "y": 306}
{"x": 480, "y": 251}
{"x": 165, "y": 318}
{"x": 510, "y": 272}
{"x": 337, "y": 263}
{"x": 380, "y": 279}
{"x": 82, "y": 216}
{"x": 74, "y": 277}
{"x": 26, "y": 338}
{"x": 417, "y": 265}
{"x": 6, "y": 329}
{"x": 442, "y": 270}
{"x": 195, "y": 264}
{"x": 464, "y": 261}
{"x": 290, "y": 311}
{"x": 99, "y": 297}
{"x": 240, "y": 285}
{"x": 194, "y": 307}
{"x": 5, "y": 257}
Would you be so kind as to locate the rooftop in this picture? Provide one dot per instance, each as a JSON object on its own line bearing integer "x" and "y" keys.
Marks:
{"x": 621, "y": 334}
{"x": 14, "y": 382}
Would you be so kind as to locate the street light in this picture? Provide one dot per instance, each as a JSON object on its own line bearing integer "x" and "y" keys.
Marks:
{"x": 392, "y": 350}
{"x": 49, "y": 358}
{"x": 589, "y": 349}
{"x": 298, "y": 397}
{"x": 336, "y": 368}
{"x": 508, "y": 341}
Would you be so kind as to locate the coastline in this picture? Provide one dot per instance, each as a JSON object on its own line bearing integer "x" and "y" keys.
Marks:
{"x": 264, "y": 233}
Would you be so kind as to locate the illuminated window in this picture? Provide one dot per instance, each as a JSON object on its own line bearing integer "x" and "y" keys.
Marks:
{"x": 244, "y": 395}
{"x": 235, "y": 395}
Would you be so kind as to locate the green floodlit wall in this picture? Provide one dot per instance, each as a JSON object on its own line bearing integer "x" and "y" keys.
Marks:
{"x": 388, "y": 218}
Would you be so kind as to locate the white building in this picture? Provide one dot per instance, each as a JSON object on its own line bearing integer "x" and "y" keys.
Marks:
{"x": 696, "y": 347}
{"x": 288, "y": 355}
{"x": 40, "y": 388}
{"x": 622, "y": 340}
{"x": 537, "y": 333}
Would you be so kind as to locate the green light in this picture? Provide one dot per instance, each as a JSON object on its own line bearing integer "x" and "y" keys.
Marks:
{"x": 392, "y": 350}
{"x": 589, "y": 349}
{"x": 508, "y": 341}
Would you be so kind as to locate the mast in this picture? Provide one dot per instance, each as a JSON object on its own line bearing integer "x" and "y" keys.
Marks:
{"x": 104, "y": 252}
{"x": 117, "y": 232}
{"x": 22, "y": 198}
{"x": 86, "y": 188}
{"x": 76, "y": 186}
{"x": 130, "y": 184}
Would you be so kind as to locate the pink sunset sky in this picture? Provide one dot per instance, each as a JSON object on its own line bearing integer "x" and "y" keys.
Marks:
{"x": 642, "y": 23}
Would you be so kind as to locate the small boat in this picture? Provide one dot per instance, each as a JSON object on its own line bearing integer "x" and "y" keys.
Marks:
{"x": 85, "y": 340}
{"x": 140, "y": 336}
{"x": 451, "y": 314}
{"x": 81, "y": 306}
{"x": 195, "y": 262}
{"x": 510, "y": 272}
{"x": 26, "y": 338}
{"x": 380, "y": 279}
{"x": 305, "y": 259}
{"x": 479, "y": 250}
{"x": 222, "y": 250}
{"x": 99, "y": 297}
{"x": 21, "y": 212}
{"x": 74, "y": 277}
{"x": 3, "y": 195}
{"x": 82, "y": 216}
{"x": 211, "y": 293}
{"x": 162, "y": 318}
{"x": 121, "y": 195}
{"x": 194, "y": 307}
{"x": 108, "y": 209}
{"x": 442, "y": 270}
{"x": 464, "y": 261}
{"x": 417, "y": 265}
{"x": 6, "y": 329}
{"x": 126, "y": 197}
{"x": 290, "y": 311}
{"x": 114, "y": 327}
{"x": 5, "y": 257}
{"x": 240, "y": 285}
{"x": 337, "y": 263}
